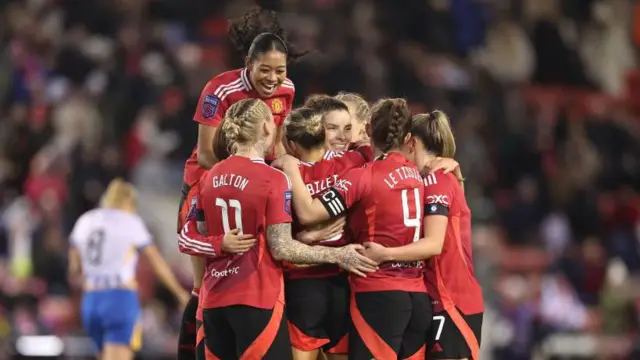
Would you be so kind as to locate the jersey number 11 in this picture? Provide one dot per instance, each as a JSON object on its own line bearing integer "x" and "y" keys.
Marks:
{"x": 224, "y": 206}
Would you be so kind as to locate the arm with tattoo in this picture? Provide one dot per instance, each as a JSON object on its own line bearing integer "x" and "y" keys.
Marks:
{"x": 283, "y": 247}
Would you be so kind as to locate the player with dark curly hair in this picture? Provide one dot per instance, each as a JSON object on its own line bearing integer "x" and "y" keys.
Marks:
{"x": 262, "y": 41}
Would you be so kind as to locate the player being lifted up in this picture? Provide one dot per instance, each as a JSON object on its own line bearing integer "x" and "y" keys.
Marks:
{"x": 389, "y": 308}
{"x": 259, "y": 37}
{"x": 457, "y": 297}
{"x": 243, "y": 294}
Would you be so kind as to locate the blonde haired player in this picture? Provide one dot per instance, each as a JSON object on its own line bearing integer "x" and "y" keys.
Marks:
{"x": 105, "y": 243}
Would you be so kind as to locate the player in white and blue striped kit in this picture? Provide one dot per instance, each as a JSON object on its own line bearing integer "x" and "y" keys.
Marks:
{"x": 105, "y": 243}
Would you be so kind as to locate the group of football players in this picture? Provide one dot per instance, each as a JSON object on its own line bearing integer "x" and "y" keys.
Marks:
{"x": 336, "y": 229}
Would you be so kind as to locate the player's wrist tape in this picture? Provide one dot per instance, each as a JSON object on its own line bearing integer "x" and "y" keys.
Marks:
{"x": 195, "y": 292}
{"x": 435, "y": 209}
{"x": 333, "y": 202}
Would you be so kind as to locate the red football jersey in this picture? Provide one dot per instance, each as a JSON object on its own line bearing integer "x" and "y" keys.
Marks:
{"x": 319, "y": 177}
{"x": 384, "y": 199}
{"x": 223, "y": 91}
{"x": 246, "y": 194}
{"x": 450, "y": 276}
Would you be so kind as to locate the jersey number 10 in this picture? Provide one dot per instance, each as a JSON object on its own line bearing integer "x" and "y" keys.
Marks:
{"x": 224, "y": 206}
{"x": 414, "y": 222}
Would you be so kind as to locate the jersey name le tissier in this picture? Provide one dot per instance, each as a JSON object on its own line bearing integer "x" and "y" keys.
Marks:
{"x": 450, "y": 276}
{"x": 225, "y": 90}
{"x": 384, "y": 199}
{"x": 319, "y": 177}
{"x": 108, "y": 241}
{"x": 249, "y": 195}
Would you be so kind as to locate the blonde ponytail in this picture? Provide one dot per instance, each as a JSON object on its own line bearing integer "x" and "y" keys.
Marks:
{"x": 434, "y": 130}
{"x": 119, "y": 194}
{"x": 241, "y": 122}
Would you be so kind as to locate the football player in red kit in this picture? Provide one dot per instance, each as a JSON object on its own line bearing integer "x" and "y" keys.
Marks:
{"x": 243, "y": 294}
{"x": 456, "y": 295}
{"x": 384, "y": 201}
{"x": 318, "y": 296}
{"x": 264, "y": 76}
{"x": 360, "y": 114}
{"x": 336, "y": 120}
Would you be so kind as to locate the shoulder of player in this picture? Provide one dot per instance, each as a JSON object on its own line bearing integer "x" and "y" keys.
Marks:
{"x": 272, "y": 173}
{"x": 439, "y": 179}
{"x": 289, "y": 85}
{"x": 227, "y": 83}
{"x": 287, "y": 89}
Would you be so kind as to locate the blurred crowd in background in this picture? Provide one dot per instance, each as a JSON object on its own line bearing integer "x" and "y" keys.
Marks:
{"x": 544, "y": 97}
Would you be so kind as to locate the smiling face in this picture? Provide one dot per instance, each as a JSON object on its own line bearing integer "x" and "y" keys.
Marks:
{"x": 267, "y": 72}
{"x": 337, "y": 126}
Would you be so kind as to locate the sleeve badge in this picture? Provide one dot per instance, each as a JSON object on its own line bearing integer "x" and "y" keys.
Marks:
{"x": 287, "y": 202}
{"x": 210, "y": 106}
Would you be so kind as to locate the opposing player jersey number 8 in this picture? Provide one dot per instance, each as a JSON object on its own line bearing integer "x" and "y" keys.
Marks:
{"x": 94, "y": 247}
{"x": 415, "y": 222}
{"x": 235, "y": 204}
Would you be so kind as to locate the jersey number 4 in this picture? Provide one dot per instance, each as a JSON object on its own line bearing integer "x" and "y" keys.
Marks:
{"x": 224, "y": 206}
{"x": 414, "y": 222}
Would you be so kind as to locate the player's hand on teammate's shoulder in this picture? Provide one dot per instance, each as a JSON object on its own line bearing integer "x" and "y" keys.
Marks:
{"x": 350, "y": 259}
{"x": 376, "y": 252}
{"x": 325, "y": 232}
{"x": 285, "y": 161}
{"x": 236, "y": 243}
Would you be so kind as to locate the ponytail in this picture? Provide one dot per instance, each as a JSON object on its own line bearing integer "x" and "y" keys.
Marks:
{"x": 435, "y": 132}
{"x": 118, "y": 193}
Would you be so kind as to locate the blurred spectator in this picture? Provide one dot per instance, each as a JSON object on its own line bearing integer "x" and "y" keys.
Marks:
{"x": 537, "y": 91}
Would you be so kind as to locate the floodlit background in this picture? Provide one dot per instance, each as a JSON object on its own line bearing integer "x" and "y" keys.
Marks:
{"x": 544, "y": 96}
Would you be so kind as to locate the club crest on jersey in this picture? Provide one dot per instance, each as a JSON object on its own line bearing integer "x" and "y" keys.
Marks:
{"x": 287, "y": 202}
{"x": 276, "y": 106}
{"x": 210, "y": 106}
{"x": 192, "y": 208}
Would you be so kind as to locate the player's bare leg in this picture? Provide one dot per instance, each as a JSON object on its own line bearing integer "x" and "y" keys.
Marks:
{"x": 197, "y": 266}
{"x": 188, "y": 330}
{"x": 306, "y": 355}
{"x": 116, "y": 352}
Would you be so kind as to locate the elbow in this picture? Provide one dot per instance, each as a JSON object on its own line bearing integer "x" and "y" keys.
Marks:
{"x": 205, "y": 158}
{"x": 436, "y": 249}
{"x": 278, "y": 255}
